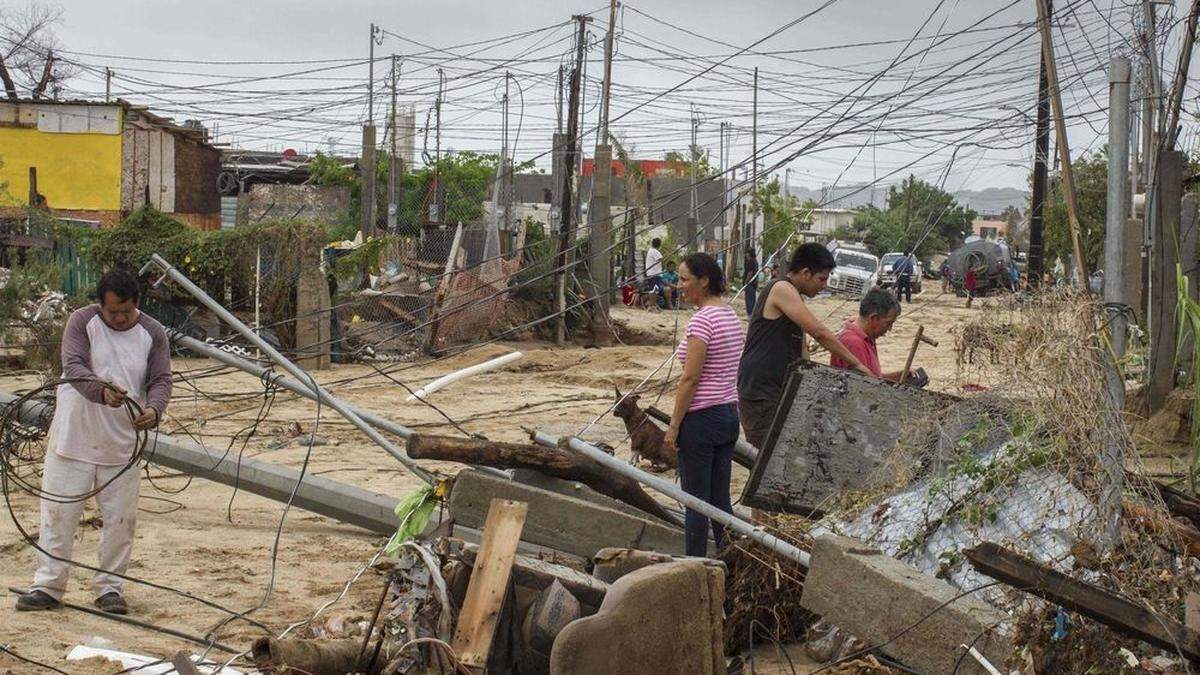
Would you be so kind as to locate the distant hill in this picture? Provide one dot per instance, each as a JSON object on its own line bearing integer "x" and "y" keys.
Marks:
{"x": 988, "y": 201}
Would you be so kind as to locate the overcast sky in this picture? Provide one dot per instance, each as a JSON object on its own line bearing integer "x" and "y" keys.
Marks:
{"x": 955, "y": 109}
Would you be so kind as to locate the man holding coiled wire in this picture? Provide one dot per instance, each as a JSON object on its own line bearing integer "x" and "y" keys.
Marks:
{"x": 117, "y": 364}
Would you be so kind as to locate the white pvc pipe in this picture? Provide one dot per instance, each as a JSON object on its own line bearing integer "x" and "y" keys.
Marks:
{"x": 465, "y": 372}
{"x": 137, "y": 663}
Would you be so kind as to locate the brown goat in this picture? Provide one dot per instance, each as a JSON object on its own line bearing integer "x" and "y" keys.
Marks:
{"x": 646, "y": 439}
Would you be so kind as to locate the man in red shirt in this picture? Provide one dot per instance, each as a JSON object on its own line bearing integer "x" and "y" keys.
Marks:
{"x": 876, "y": 314}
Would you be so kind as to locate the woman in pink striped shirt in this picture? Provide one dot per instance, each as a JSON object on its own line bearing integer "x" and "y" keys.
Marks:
{"x": 704, "y": 424}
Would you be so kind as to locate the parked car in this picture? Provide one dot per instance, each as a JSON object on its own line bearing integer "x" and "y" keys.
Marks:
{"x": 857, "y": 269}
{"x": 887, "y": 277}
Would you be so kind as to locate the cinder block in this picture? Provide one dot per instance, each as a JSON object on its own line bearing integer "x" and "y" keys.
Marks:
{"x": 558, "y": 521}
{"x": 833, "y": 432}
{"x": 879, "y": 599}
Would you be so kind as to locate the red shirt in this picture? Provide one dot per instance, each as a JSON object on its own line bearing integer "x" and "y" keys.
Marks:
{"x": 861, "y": 346}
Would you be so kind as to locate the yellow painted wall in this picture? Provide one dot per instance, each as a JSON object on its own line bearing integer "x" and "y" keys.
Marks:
{"x": 74, "y": 171}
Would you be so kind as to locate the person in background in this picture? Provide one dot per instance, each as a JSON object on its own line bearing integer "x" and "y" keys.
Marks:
{"x": 112, "y": 354}
{"x": 670, "y": 286}
{"x": 654, "y": 268}
{"x": 969, "y": 283}
{"x": 775, "y": 338}
{"x": 903, "y": 269}
{"x": 750, "y": 279}
{"x": 877, "y": 312}
{"x": 704, "y": 421}
{"x": 947, "y": 278}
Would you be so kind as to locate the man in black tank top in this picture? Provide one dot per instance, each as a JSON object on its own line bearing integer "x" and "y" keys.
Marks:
{"x": 775, "y": 338}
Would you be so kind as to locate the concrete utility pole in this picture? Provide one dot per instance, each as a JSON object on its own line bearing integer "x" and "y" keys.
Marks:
{"x": 1041, "y": 155}
{"x": 566, "y": 212}
{"x": 437, "y": 151}
{"x": 366, "y": 164}
{"x": 393, "y": 174}
{"x": 1114, "y": 288}
{"x": 600, "y": 233}
{"x": 750, "y": 229}
{"x": 506, "y": 165}
{"x": 1118, "y": 197}
{"x": 694, "y": 156}
{"x": 107, "y": 84}
{"x": 724, "y": 192}
{"x": 1064, "y": 150}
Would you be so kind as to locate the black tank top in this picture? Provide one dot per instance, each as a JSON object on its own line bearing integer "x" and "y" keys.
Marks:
{"x": 772, "y": 346}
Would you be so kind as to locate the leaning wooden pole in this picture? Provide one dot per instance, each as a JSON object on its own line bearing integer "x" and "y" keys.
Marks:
{"x": 1064, "y": 150}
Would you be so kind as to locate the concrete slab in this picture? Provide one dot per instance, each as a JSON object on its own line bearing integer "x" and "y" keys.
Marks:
{"x": 833, "y": 432}
{"x": 917, "y": 619}
{"x": 560, "y": 522}
{"x": 661, "y": 619}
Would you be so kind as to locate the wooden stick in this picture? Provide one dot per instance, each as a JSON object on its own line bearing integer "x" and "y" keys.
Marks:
{"x": 489, "y": 582}
{"x": 1104, "y": 606}
{"x": 912, "y": 352}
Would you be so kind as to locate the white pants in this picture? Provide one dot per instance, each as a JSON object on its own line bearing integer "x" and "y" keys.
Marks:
{"x": 118, "y": 508}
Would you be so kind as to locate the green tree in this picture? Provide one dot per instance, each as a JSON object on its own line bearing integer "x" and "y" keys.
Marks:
{"x": 1091, "y": 193}
{"x": 704, "y": 169}
{"x": 917, "y": 214}
{"x": 783, "y": 215}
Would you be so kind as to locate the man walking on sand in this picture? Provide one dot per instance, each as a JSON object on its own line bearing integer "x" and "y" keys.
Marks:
{"x": 112, "y": 352}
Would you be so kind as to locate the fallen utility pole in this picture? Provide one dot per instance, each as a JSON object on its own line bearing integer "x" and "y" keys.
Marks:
{"x": 1064, "y": 150}
{"x": 332, "y": 499}
{"x": 743, "y": 527}
{"x": 1102, "y": 605}
{"x": 297, "y": 372}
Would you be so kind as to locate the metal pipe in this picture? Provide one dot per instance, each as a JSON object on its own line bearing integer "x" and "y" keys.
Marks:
{"x": 671, "y": 490}
{"x": 323, "y": 396}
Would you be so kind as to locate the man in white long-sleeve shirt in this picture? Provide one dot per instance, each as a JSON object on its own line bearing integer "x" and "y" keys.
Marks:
{"x": 110, "y": 351}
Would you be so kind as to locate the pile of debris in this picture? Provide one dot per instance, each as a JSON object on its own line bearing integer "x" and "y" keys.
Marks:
{"x": 991, "y": 530}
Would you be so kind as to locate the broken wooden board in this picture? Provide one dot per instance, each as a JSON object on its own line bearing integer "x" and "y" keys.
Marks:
{"x": 489, "y": 582}
{"x": 539, "y": 574}
{"x": 833, "y": 431}
{"x": 1092, "y": 601}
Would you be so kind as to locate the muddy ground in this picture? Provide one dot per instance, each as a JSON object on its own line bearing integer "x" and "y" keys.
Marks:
{"x": 203, "y": 539}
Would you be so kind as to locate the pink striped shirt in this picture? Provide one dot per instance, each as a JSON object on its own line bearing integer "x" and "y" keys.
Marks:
{"x": 719, "y": 327}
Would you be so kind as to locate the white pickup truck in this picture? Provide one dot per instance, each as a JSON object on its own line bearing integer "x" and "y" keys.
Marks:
{"x": 857, "y": 269}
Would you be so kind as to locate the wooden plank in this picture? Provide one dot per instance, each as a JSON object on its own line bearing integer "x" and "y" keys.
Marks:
{"x": 489, "y": 582}
{"x": 1104, "y": 606}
